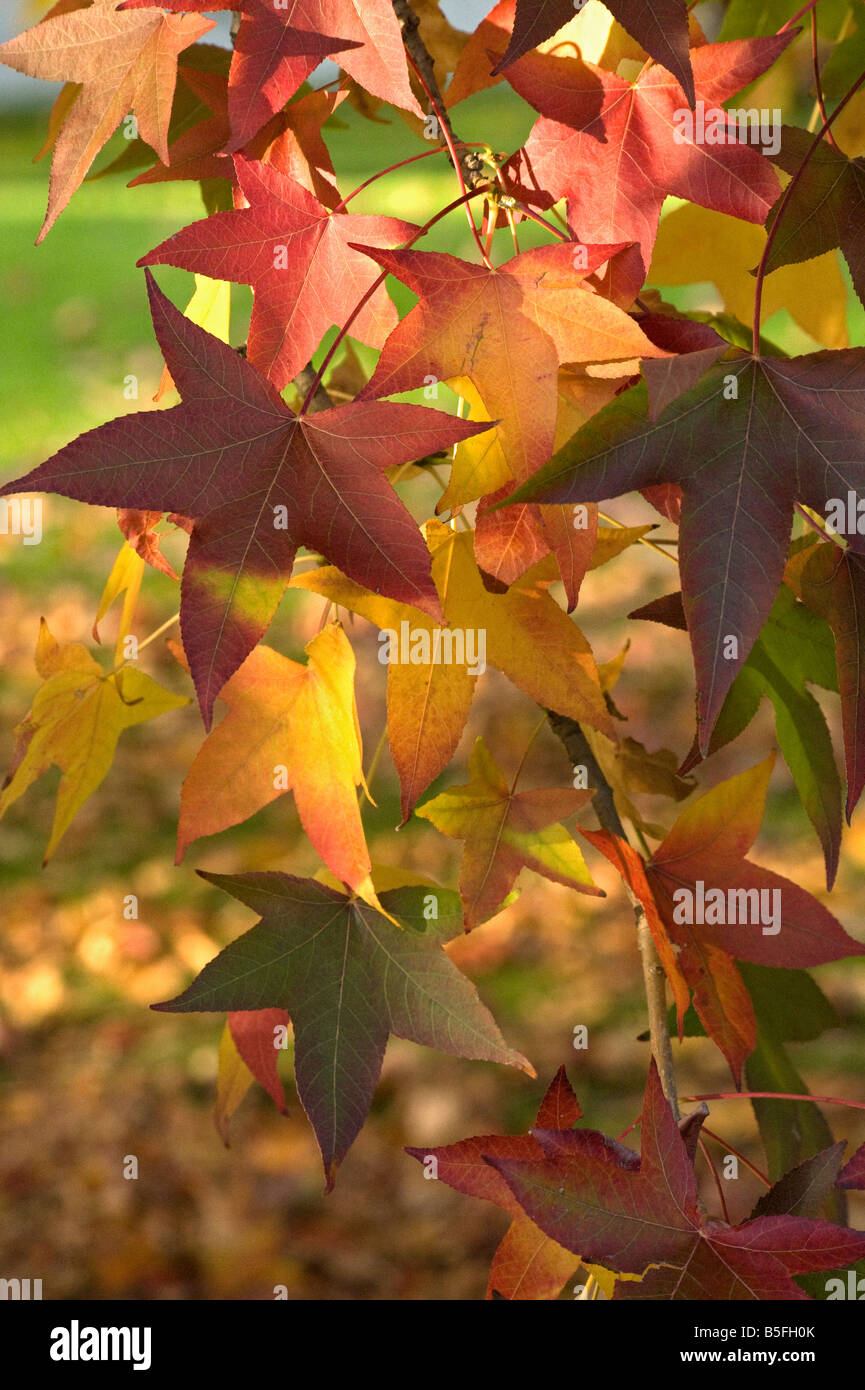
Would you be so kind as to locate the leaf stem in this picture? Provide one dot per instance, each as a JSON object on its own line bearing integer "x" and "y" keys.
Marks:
{"x": 713, "y": 1170}
{"x": 798, "y": 15}
{"x": 710, "y": 1134}
{"x": 392, "y": 168}
{"x": 778, "y": 1095}
{"x": 526, "y": 751}
{"x": 654, "y": 979}
{"x": 818, "y": 81}
{"x": 444, "y": 126}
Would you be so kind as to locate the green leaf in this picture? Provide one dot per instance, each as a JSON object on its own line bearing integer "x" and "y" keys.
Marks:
{"x": 348, "y": 977}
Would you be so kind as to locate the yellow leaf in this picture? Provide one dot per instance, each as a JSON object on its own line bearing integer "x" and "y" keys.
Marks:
{"x": 506, "y": 831}
{"x": 210, "y": 308}
{"x": 76, "y": 719}
{"x": 696, "y": 245}
{"x": 233, "y": 1080}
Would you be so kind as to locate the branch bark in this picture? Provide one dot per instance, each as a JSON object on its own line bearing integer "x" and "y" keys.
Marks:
{"x": 470, "y": 163}
{"x": 654, "y": 980}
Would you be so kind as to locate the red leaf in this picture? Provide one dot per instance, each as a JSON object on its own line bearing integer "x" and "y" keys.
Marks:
{"x": 124, "y": 62}
{"x": 721, "y": 441}
{"x": 258, "y": 481}
{"x": 253, "y": 1033}
{"x": 660, "y": 26}
{"x": 610, "y": 146}
{"x": 628, "y": 1215}
{"x": 298, "y": 257}
{"x": 276, "y": 49}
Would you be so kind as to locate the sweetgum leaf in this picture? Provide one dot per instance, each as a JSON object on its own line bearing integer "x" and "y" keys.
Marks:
{"x": 348, "y": 977}
{"x": 751, "y": 438}
{"x": 636, "y": 1214}
{"x": 123, "y": 62}
{"x": 258, "y": 481}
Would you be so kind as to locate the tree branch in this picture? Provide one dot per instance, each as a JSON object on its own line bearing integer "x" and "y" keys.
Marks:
{"x": 470, "y": 163}
{"x": 654, "y": 980}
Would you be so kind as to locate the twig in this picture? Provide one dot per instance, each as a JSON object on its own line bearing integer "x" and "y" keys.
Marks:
{"x": 579, "y": 751}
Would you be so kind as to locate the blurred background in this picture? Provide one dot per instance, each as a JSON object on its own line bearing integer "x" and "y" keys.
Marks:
{"x": 87, "y": 1074}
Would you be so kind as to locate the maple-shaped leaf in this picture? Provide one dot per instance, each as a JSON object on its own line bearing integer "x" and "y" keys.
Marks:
{"x": 717, "y": 905}
{"x": 258, "y": 481}
{"x": 506, "y": 831}
{"x": 826, "y": 208}
{"x": 527, "y": 1264}
{"x": 291, "y": 141}
{"x": 78, "y": 715}
{"x": 794, "y": 649}
{"x": 615, "y": 148}
{"x": 347, "y": 977}
{"x": 659, "y": 26}
{"x": 279, "y": 45}
{"x": 831, "y": 582}
{"x": 294, "y": 728}
{"x": 751, "y": 438}
{"x": 506, "y": 329}
{"x": 635, "y": 1214}
{"x": 299, "y": 258}
{"x": 592, "y": 30}
{"x": 524, "y": 633}
{"x": 124, "y": 62}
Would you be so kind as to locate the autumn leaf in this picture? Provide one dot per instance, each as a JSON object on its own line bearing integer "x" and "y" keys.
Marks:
{"x": 139, "y": 528}
{"x": 615, "y": 148}
{"x": 507, "y": 329}
{"x": 506, "y": 831}
{"x": 299, "y": 259}
{"x": 592, "y": 30}
{"x": 124, "y": 62}
{"x": 720, "y": 441}
{"x": 794, "y": 648}
{"x": 294, "y": 728}
{"x": 480, "y": 465}
{"x": 525, "y": 634}
{"x": 277, "y": 48}
{"x": 78, "y": 715}
{"x": 371, "y": 978}
{"x": 527, "y": 1264}
{"x": 700, "y": 872}
{"x": 255, "y": 1036}
{"x": 291, "y": 141}
{"x": 632, "y": 869}
{"x": 695, "y": 245}
{"x": 660, "y": 26}
{"x": 635, "y": 1215}
{"x": 259, "y": 481}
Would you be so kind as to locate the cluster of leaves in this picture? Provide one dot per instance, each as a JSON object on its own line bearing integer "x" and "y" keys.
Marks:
{"x": 581, "y": 385}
